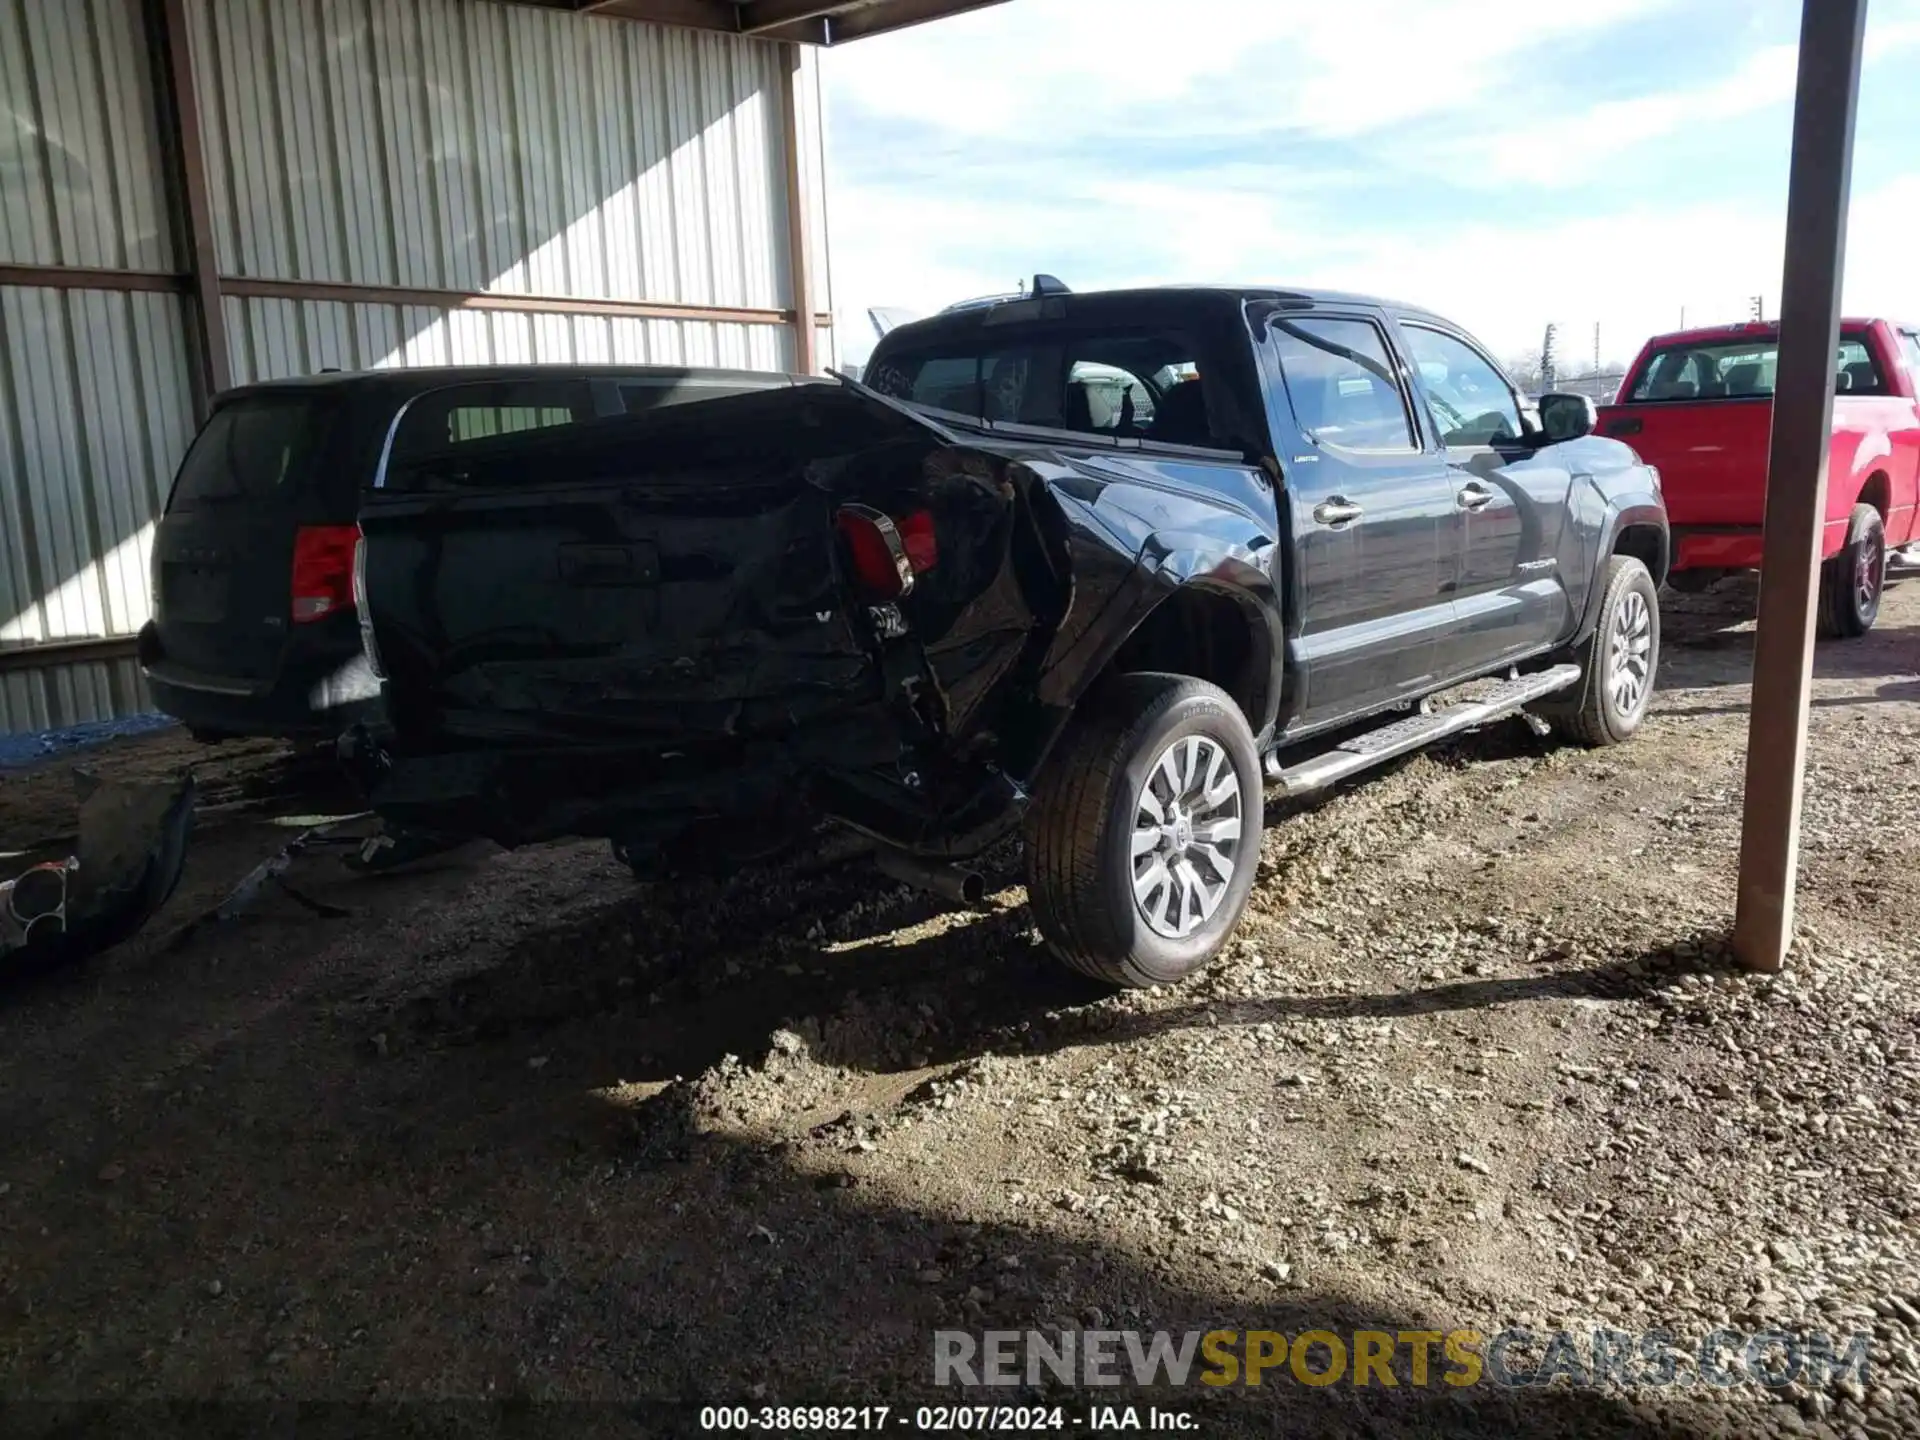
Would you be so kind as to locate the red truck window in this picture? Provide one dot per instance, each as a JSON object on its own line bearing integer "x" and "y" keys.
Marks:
{"x": 1742, "y": 369}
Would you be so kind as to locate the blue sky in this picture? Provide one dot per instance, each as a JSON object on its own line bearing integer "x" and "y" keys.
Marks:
{"x": 1507, "y": 162}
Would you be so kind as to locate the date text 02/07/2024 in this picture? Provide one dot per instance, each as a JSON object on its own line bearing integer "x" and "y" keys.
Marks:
{"x": 940, "y": 1419}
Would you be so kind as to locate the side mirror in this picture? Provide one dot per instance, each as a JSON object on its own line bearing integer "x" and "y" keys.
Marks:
{"x": 1567, "y": 417}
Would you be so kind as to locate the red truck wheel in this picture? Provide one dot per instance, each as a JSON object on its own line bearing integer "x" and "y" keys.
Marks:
{"x": 1851, "y": 582}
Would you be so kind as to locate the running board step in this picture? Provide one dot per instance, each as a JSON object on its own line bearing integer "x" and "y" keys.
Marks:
{"x": 1377, "y": 746}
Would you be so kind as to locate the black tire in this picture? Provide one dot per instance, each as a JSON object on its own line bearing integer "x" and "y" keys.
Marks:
{"x": 1852, "y": 582}
{"x": 1080, "y": 828}
{"x": 1594, "y": 714}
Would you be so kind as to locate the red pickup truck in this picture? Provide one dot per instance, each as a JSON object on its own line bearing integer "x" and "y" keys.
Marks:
{"x": 1698, "y": 406}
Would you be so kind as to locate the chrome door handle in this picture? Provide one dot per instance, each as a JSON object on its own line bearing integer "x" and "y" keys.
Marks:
{"x": 1337, "y": 511}
{"x": 1476, "y": 496}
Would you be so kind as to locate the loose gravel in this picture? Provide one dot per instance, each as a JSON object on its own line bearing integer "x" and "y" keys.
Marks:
{"x": 519, "y": 1129}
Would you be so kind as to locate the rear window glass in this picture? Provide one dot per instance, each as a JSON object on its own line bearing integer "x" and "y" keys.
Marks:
{"x": 441, "y": 419}
{"x": 1910, "y": 344}
{"x": 251, "y": 449}
{"x": 1117, "y": 384}
{"x": 1742, "y": 370}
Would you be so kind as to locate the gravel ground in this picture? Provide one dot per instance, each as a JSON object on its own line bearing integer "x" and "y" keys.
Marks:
{"x": 518, "y": 1129}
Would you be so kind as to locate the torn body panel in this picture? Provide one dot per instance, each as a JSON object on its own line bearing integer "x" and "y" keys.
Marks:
{"x": 653, "y": 625}
{"x": 125, "y": 864}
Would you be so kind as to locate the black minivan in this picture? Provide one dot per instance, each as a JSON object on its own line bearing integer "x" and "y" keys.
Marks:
{"x": 253, "y": 629}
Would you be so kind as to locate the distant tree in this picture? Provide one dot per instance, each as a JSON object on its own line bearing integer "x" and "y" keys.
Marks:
{"x": 1524, "y": 370}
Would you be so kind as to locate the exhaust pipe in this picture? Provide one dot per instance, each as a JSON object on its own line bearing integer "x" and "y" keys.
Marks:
{"x": 951, "y": 882}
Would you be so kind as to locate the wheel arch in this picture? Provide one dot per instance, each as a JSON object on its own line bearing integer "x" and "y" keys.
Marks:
{"x": 1210, "y": 631}
{"x": 1641, "y": 532}
{"x": 1877, "y": 490}
{"x": 1646, "y": 541}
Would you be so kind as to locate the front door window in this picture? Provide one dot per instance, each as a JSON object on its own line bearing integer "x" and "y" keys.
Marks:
{"x": 1472, "y": 403}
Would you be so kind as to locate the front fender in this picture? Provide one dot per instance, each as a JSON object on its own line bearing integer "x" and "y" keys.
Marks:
{"x": 1626, "y": 509}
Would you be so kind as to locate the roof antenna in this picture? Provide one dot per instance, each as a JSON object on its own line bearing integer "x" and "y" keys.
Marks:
{"x": 1049, "y": 285}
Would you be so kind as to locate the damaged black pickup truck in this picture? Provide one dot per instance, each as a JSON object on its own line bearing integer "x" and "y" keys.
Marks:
{"x": 1105, "y": 565}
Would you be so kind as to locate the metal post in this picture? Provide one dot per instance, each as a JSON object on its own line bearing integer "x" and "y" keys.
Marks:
{"x": 1831, "y": 34}
{"x": 181, "y": 142}
{"x": 806, "y": 337}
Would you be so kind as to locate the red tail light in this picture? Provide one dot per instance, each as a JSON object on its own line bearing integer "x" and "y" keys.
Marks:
{"x": 887, "y": 554}
{"x": 322, "y": 570}
{"x": 916, "y": 533}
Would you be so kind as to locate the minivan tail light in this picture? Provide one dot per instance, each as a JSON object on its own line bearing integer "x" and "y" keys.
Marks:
{"x": 322, "y": 570}
{"x": 887, "y": 554}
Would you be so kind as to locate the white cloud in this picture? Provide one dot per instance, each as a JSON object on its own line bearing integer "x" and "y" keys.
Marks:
{"x": 1634, "y": 272}
{"x": 1023, "y": 83}
{"x": 1592, "y": 136}
{"x": 1338, "y": 69}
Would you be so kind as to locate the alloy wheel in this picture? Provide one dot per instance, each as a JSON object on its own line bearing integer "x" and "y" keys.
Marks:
{"x": 1186, "y": 836}
{"x": 1869, "y": 572}
{"x": 1630, "y": 655}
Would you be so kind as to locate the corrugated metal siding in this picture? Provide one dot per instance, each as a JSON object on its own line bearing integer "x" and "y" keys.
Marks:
{"x": 275, "y": 338}
{"x": 95, "y": 404}
{"x": 435, "y": 144}
{"x": 79, "y": 163}
{"x": 94, "y": 415}
{"x": 456, "y": 145}
{"x": 61, "y": 695}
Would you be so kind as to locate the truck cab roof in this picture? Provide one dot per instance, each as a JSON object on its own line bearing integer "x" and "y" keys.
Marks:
{"x": 1759, "y": 329}
{"x": 1157, "y": 301}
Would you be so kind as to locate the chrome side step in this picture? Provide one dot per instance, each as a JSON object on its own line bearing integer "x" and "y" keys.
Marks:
{"x": 1378, "y": 746}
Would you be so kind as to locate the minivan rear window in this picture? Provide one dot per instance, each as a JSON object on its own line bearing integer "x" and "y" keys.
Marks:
{"x": 252, "y": 448}
{"x": 462, "y": 414}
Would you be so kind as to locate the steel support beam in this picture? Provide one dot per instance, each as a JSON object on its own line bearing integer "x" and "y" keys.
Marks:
{"x": 43, "y": 653}
{"x": 181, "y": 143}
{"x": 884, "y": 16}
{"x": 1831, "y": 36}
{"x": 806, "y": 335}
{"x": 760, "y": 15}
{"x": 692, "y": 14}
{"x": 347, "y": 294}
{"x": 86, "y": 277}
{"x": 809, "y": 22}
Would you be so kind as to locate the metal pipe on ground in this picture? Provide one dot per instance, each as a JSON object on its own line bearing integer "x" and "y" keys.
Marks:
{"x": 951, "y": 882}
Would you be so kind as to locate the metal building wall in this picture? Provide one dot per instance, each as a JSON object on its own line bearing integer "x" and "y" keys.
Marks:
{"x": 477, "y": 159}
{"x": 94, "y": 402}
{"x": 273, "y": 337}
{"x": 445, "y": 145}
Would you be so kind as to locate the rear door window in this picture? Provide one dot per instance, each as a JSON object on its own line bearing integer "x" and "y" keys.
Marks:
{"x": 1342, "y": 383}
{"x": 259, "y": 447}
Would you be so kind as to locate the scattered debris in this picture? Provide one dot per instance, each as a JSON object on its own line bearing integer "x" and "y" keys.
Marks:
{"x": 125, "y": 864}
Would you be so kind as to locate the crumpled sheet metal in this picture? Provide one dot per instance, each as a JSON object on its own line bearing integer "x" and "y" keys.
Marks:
{"x": 127, "y": 861}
